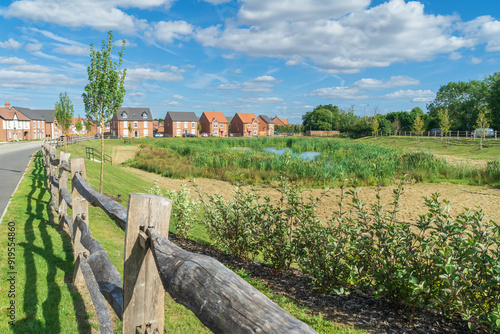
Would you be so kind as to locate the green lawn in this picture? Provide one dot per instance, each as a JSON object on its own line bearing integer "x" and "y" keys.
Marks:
{"x": 464, "y": 147}
{"x": 45, "y": 299}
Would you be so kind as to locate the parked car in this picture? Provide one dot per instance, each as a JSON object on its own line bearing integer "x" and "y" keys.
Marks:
{"x": 276, "y": 133}
{"x": 97, "y": 136}
{"x": 188, "y": 135}
{"x": 436, "y": 132}
{"x": 61, "y": 138}
{"x": 290, "y": 133}
{"x": 204, "y": 134}
{"x": 489, "y": 132}
{"x": 158, "y": 135}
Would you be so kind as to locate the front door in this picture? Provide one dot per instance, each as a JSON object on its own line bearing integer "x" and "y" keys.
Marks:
{"x": 136, "y": 133}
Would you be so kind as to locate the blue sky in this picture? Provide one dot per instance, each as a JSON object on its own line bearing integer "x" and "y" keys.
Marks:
{"x": 267, "y": 57}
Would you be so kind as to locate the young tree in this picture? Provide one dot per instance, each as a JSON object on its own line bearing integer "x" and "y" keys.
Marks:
{"x": 129, "y": 130}
{"x": 396, "y": 125}
{"x": 444, "y": 123}
{"x": 418, "y": 126}
{"x": 79, "y": 125}
{"x": 482, "y": 124}
{"x": 104, "y": 93}
{"x": 63, "y": 114}
{"x": 375, "y": 126}
{"x": 88, "y": 126}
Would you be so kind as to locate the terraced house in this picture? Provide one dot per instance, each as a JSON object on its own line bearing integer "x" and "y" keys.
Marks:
{"x": 177, "y": 123}
{"x": 13, "y": 124}
{"x": 139, "y": 119}
{"x": 42, "y": 122}
{"x": 214, "y": 124}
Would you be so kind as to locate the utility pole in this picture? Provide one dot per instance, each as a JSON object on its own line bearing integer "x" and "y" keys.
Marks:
{"x": 364, "y": 105}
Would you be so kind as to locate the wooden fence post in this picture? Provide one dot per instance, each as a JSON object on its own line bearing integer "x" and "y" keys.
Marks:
{"x": 63, "y": 184}
{"x": 80, "y": 205}
{"x": 143, "y": 292}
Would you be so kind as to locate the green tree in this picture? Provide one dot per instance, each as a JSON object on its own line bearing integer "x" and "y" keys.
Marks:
{"x": 88, "y": 126}
{"x": 63, "y": 114}
{"x": 418, "y": 126}
{"x": 482, "y": 124}
{"x": 396, "y": 125}
{"x": 104, "y": 93}
{"x": 79, "y": 125}
{"x": 493, "y": 99}
{"x": 322, "y": 118}
{"x": 375, "y": 126}
{"x": 444, "y": 123}
{"x": 129, "y": 130}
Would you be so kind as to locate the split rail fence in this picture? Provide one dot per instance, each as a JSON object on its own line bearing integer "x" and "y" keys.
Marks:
{"x": 153, "y": 265}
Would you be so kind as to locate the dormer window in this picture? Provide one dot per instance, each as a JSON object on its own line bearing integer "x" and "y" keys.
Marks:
{"x": 124, "y": 114}
{"x": 144, "y": 115}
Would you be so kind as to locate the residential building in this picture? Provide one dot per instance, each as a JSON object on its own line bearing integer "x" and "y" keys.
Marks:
{"x": 158, "y": 127}
{"x": 266, "y": 126}
{"x": 72, "y": 128}
{"x": 13, "y": 124}
{"x": 245, "y": 124}
{"x": 139, "y": 119}
{"x": 214, "y": 124}
{"x": 177, "y": 123}
{"x": 42, "y": 122}
{"x": 280, "y": 121}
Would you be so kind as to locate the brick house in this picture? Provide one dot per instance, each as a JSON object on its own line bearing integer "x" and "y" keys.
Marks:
{"x": 280, "y": 121}
{"x": 139, "y": 119}
{"x": 214, "y": 124}
{"x": 266, "y": 126}
{"x": 245, "y": 124}
{"x": 177, "y": 123}
{"x": 14, "y": 125}
{"x": 42, "y": 122}
{"x": 72, "y": 128}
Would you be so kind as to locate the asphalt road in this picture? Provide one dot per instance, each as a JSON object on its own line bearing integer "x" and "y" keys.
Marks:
{"x": 14, "y": 157}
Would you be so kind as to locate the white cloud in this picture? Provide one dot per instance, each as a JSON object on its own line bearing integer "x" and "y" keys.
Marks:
{"x": 237, "y": 71}
{"x": 73, "y": 50}
{"x": 263, "y": 11}
{"x": 12, "y": 61}
{"x": 11, "y": 43}
{"x": 262, "y": 84}
{"x": 32, "y": 47}
{"x": 34, "y": 77}
{"x": 393, "y": 31}
{"x": 264, "y": 100}
{"x": 455, "y": 55}
{"x": 229, "y": 56}
{"x": 475, "y": 61}
{"x": 217, "y": 2}
{"x": 167, "y": 31}
{"x": 413, "y": 95}
{"x": 137, "y": 75}
{"x": 357, "y": 89}
{"x": 170, "y": 103}
{"x": 485, "y": 29}
{"x": 178, "y": 97}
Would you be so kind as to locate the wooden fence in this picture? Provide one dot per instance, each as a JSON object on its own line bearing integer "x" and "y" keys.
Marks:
{"x": 222, "y": 300}
{"x": 71, "y": 140}
{"x": 435, "y": 134}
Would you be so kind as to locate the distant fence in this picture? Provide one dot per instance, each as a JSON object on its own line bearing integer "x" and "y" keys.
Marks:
{"x": 434, "y": 134}
{"x": 69, "y": 140}
{"x": 223, "y": 301}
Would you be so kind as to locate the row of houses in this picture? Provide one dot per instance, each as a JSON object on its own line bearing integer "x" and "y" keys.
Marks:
{"x": 19, "y": 123}
{"x": 216, "y": 124}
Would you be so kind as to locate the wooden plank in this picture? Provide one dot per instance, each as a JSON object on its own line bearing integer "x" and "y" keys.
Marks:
{"x": 63, "y": 186}
{"x": 80, "y": 205}
{"x": 65, "y": 194}
{"x": 114, "y": 210}
{"x": 107, "y": 276}
{"x": 85, "y": 275}
{"x": 222, "y": 300}
{"x": 143, "y": 292}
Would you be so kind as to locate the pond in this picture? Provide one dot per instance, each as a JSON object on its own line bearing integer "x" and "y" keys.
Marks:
{"x": 309, "y": 155}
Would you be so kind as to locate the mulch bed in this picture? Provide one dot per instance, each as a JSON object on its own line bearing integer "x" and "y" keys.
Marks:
{"x": 356, "y": 310}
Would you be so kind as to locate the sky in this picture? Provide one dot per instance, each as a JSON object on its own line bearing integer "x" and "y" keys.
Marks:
{"x": 277, "y": 58}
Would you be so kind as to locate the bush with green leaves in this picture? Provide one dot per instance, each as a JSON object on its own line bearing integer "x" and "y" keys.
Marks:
{"x": 234, "y": 225}
{"x": 184, "y": 208}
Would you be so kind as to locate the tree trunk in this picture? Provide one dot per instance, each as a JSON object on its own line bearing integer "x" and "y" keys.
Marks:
{"x": 102, "y": 156}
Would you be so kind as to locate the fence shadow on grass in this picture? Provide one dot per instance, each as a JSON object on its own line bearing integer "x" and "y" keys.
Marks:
{"x": 41, "y": 227}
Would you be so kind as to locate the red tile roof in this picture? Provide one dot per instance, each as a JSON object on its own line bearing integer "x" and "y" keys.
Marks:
{"x": 214, "y": 114}
{"x": 8, "y": 114}
{"x": 247, "y": 117}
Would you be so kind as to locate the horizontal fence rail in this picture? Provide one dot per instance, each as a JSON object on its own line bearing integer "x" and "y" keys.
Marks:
{"x": 153, "y": 265}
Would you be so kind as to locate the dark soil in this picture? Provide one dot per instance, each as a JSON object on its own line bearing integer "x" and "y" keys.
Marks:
{"x": 355, "y": 310}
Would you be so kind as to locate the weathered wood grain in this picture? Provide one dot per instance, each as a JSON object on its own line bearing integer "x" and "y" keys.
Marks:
{"x": 80, "y": 204}
{"x": 63, "y": 187}
{"x": 64, "y": 193}
{"x": 143, "y": 292}
{"x": 107, "y": 276}
{"x": 222, "y": 300}
{"x": 114, "y": 210}
{"x": 83, "y": 270}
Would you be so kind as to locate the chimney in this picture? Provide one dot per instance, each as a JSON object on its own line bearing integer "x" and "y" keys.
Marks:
{"x": 7, "y": 105}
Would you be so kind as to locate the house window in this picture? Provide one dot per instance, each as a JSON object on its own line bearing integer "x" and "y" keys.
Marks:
{"x": 216, "y": 133}
{"x": 136, "y": 124}
{"x": 125, "y": 133}
{"x": 145, "y": 124}
{"x": 192, "y": 124}
{"x": 254, "y": 132}
{"x": 125, "y": 123}
{"x": 144, "y": 114}
{"x": 254, "y": 125}
{"x": 222, "y": 126}
{"x": 178, "y": 132}
{"x": 216, "y": 125}
{"x": 10, "y": 137}
{"x": 145, "y": 132}
{"x": 249, "y": 126}
{"x": 178, "y": 124}
{"x": 193, "y": 131}
{"x": 124, "y": 115}
{"x": 185, "y": 124}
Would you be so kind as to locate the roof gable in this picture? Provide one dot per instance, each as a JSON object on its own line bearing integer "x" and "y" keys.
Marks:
{"x": 182, "y": 116}
{"x": 266, "y": 119}
{"x": 247, "y": 117}
{"x": 134, "y": 114}
{"x": 211, "y": 115}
